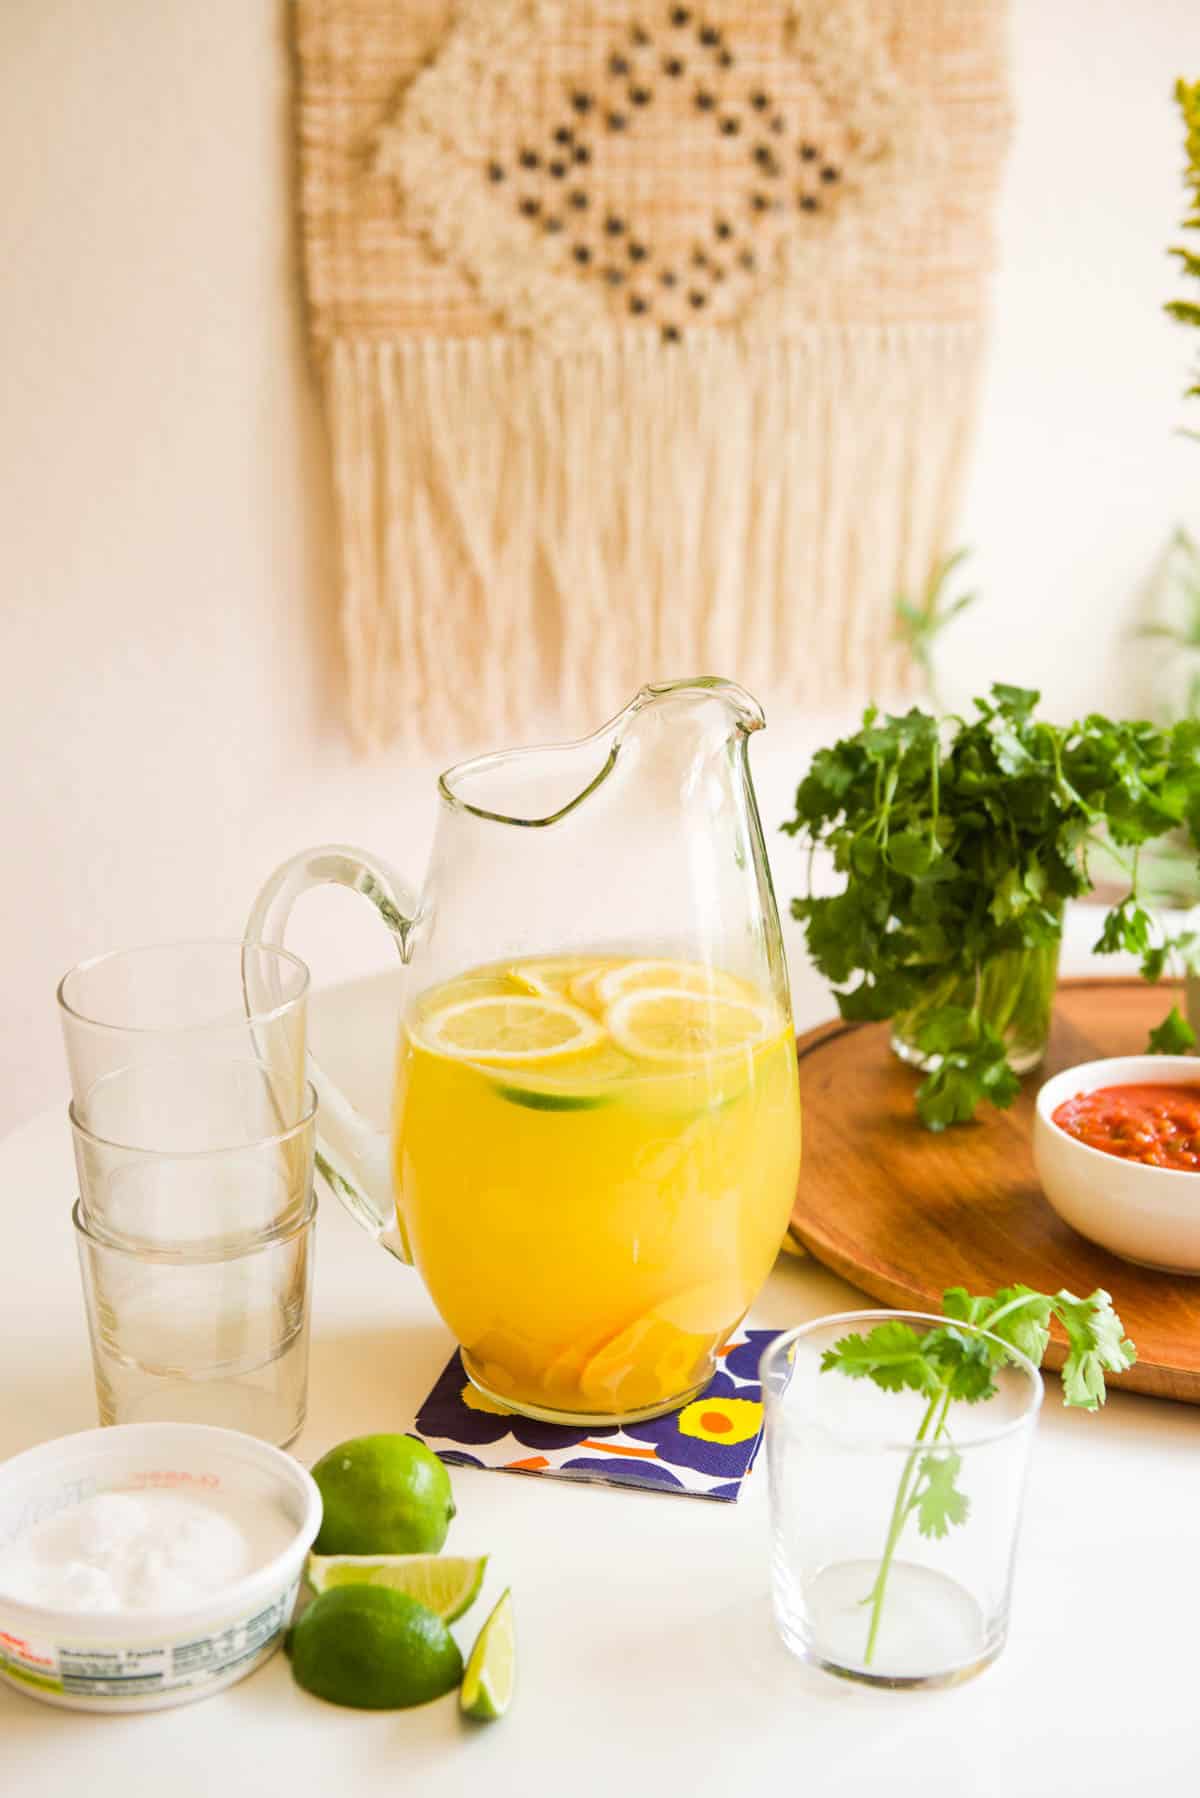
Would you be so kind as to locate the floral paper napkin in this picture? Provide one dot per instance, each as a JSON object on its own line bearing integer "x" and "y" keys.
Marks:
{"x": 704, "y": 1450}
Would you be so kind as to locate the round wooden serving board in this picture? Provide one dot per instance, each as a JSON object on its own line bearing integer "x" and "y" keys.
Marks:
{"x": 903, "y": 1213}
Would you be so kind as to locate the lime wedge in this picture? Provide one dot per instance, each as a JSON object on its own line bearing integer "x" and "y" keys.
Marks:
{"x": 448, "y": 1585}
{"x": 487, "y": 1686}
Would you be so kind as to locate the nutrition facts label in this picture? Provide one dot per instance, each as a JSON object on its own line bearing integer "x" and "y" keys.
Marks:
{"x": 111, "y": 1672}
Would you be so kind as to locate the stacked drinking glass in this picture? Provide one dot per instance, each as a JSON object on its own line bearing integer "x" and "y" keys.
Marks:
{"x": 193, "y": 1128}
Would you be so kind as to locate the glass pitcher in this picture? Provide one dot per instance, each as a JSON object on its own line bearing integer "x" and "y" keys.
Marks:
{"x": 596, "y": 1128}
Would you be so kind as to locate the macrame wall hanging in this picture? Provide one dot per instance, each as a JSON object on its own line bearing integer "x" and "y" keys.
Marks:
{"x": 649, "y": 335}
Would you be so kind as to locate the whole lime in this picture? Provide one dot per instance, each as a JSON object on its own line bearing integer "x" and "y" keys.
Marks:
{"x": 375, "y": 1649}
{"x": 382, "y": 1495}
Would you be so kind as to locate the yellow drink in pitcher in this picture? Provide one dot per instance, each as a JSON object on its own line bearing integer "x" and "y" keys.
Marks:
{"x": 595, "y": 1160}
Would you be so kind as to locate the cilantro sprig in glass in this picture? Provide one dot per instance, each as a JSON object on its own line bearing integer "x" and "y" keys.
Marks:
{"x": 896, "y": 1490}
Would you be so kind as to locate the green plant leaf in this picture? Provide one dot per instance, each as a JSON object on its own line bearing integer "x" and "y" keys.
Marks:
{"x": 1020, "y": 1317}
{"x": 951, "y": 1093}
{"x": 1098, "y": 1345}
{"x": 941, "y": 1506}
{"x": 913, "y": 853}
{"x": 892, "y": 1355}
{"x": 1174, "y": 1036}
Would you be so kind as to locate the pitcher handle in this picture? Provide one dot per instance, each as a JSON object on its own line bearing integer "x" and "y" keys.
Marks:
{"x": 353, "y": 1158}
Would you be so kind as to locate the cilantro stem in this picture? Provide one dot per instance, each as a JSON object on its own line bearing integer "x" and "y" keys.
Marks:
{"x": 1022, "y": 1302}
{"x": 901, "y": 1509}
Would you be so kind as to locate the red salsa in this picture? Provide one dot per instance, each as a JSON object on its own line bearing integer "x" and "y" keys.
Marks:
{"x": 1159, "y": 1125}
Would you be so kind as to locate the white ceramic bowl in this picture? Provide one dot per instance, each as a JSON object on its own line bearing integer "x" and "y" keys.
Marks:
{"x": 148, "y": 1660}
{"x": 1146, "y": 1214}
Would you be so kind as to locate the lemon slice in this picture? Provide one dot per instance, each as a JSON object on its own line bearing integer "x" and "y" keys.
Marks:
{"x": 550, "y": 978}
{"x": 504, "y": 1031}
{"x": 662, "y": 976}
{"x": 663, "y": 1024}
{"x": 582, "y": 988}
{"x": 490, "y": 983}
{"x": 650, "y": 1361}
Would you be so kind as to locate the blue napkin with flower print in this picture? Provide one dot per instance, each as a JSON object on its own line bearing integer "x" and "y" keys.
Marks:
{"x": 704, "y": 1450}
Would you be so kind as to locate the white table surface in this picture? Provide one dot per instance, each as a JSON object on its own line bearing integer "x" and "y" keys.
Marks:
{"x": 648, "y": 1663}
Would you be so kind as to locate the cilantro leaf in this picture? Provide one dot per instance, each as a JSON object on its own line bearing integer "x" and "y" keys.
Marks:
{"x": 892, "y": 1355}
{"x": 913, "y": 853}
{"x": 1098, "y": 1345}
{"x": 958, "y": 1303}
{"x": 1019, "y": 1316}
{"x": 1126, "y": 926}
{"x": 945, "y": 1030}
{"x": 950, "y": 1094}
{"x": 1020, "y": 701}
{"x": 960, "y": 1361}
{"x": 939, "y": 1503}
{"x": 1174, "y": 1036}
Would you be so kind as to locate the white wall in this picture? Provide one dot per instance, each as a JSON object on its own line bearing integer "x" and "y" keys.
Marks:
{"x": 1080, "y": 472}
{"x": 169, "y": 728}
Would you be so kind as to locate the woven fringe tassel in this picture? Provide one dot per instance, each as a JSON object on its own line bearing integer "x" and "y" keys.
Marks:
{"x": 515, "y": 522}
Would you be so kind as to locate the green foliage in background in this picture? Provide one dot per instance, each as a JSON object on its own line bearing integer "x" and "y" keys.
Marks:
{"x": 1187, "y": 94}
{"x": 921, "y": 622}
{"x": 1181, "y": 600}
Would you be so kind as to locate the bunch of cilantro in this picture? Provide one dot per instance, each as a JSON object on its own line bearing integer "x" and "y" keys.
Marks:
{"x": 950, "y": 1362}
{"x": 960, "y": 839}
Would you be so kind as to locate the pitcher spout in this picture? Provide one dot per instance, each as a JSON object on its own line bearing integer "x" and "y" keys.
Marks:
{"x": 743, "y": 710}
{"x": 540, "y": 786}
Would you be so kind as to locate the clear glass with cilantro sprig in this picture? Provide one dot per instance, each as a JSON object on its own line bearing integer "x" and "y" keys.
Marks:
{"x": 898, "y": 1446}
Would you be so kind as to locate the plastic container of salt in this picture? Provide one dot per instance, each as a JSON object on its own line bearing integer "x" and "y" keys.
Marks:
{"x": 148, "y": 1565}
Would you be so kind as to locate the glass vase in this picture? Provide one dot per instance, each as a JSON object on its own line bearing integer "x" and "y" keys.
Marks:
{"x": 1015, "y": 996}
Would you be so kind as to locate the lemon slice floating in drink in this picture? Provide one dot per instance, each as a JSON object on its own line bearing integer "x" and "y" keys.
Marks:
{"x": 503, "y": 1030}
{"x": 613, "y": 983}
{"x": 665, "y": 1024}
{"x": 550, "y": 976}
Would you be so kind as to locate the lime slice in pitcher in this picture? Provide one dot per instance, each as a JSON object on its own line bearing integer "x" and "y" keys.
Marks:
{"x": 502, "y": 1031}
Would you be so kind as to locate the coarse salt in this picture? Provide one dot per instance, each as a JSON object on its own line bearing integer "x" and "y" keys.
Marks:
{"x": 142, "y": 1551}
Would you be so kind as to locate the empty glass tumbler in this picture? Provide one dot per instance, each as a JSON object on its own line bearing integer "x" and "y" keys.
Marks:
{"x": 194, "y": 1136}
{"x": 216, "y": 1172}
{"x": 894, "y": 1512}
{"x": 215, "y": 1334}
{"x": 146, "y": 1031}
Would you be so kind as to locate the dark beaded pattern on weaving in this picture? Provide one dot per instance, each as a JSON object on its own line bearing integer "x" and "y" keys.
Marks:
{"x": 689, "y": 49}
